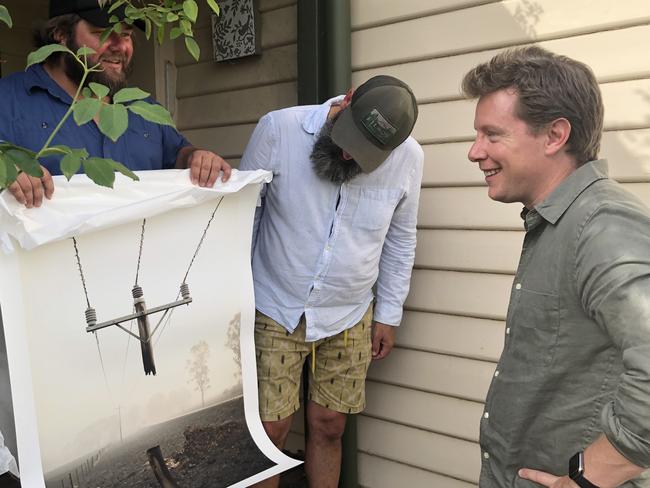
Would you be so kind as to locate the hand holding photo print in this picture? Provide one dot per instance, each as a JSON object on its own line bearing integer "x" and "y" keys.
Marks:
{"x": 129, "y": 335}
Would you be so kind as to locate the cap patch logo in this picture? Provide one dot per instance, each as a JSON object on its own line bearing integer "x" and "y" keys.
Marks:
{"x": 378, "y": 126}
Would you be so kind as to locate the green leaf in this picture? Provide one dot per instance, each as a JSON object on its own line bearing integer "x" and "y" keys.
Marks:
{"x": 5, "y": 146}
{"x": 100, "y": 90}
{"x": 10, "y": 170}
{"x": 171, "y": 17}
{"x": 25, "y": 162}
{"x": 113, "y": 120}
{"x": 191, "y": 9}
{"x": 124, "y": 170}
{"x": 129, "y": 94}
{"x": 85, "y": 51}
{"x": 100, "y": 170}
{"x": 213, "y": 5}
{"x": 175, "y": 32}
{"x": 192, "y": 47}
{"x": 3, "y": 172}
{"x": 115, "y": 5}
{"x": 151, "y": 112}
{"x": 6, "y": 18}
{"x": 114, "y": 19}
{"x": 186, "y": 27}
{"x": 54, "y": 150}
{"x": 86, "y": 109}
{"x": 106, "y": 33}
{"x": 41, "y": 54}
{"x": 161, "y": 34}
{"x": 147, "y": 28}
{"x": 86, "y": 92}
{"x": 71, "y": 163}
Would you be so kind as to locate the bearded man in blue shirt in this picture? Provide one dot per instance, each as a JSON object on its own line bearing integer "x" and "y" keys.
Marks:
{"x": 34, "y": 101}
{"x": 338, "y": 219}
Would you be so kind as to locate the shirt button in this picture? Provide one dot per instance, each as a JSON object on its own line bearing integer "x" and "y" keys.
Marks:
{"x": 496, "y": 373}
{"x": 328, "y": 248}
{"x": 44, "y": 125}
{"x": 486, "y": 415}
{"x": 146, "y": 135}
{"x": 518, "y": 286}
{"x": 507, "y": 330}
{"x": 486, "y": 455}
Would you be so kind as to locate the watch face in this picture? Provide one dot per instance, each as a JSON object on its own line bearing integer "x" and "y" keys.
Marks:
{"x": 576, "y": 466}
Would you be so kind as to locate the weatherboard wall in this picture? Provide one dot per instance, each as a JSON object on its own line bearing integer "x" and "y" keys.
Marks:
{"x": 218, "y": 104}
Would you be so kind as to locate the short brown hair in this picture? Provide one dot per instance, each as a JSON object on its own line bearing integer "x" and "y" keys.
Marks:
{"x": 46, "y": 31}
{"x": 549, "y": 86}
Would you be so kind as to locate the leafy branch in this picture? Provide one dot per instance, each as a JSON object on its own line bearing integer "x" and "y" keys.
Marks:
{"x": 91, "y": 102}
{"x": 179, "y": 16}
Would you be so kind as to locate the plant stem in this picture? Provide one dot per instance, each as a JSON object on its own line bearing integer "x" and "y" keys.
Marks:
{"x": 70, "y": 109}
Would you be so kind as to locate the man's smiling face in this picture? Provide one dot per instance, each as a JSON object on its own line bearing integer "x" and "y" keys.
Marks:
{"x": 113, "y": 56}
{"x": 510, "y": 155}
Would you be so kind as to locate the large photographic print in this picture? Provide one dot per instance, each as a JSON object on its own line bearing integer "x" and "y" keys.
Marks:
{"x": 133, "y": 333}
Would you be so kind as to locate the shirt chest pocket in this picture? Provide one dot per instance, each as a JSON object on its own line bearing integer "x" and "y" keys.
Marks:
{"x": 150, "y": 148}
{"x": 537, "y": 327}
{"x": 375, "y": 208}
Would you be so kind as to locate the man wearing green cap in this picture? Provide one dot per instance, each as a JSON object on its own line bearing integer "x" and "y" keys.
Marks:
{"x": 35, "y": 101}
{"x": 337, "y": 222}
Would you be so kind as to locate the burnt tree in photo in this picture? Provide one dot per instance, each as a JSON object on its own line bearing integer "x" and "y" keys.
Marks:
{"x": 197, "y": 367}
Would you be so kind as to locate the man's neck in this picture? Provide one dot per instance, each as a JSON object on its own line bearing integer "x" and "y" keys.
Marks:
{"x": 57, "y": 73}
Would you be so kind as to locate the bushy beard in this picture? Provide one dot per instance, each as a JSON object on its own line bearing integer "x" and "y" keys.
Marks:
{"x": 327, "y": 158}
{"x": 75, "y": 72}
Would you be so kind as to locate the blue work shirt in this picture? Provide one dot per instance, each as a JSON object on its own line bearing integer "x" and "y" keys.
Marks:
{"x": 32, "y": 104}
{"x": 319, "y": 246}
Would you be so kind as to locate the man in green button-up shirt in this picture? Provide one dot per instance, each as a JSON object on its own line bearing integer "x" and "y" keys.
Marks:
{"x": 574, "y": 376}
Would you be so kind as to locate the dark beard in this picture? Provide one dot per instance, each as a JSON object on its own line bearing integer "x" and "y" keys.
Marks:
{"x": 327, "y": 158}
{"x": 75, "y": 72}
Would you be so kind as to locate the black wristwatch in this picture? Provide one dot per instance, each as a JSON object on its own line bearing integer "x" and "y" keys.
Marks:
{"x": 577, "y": 469}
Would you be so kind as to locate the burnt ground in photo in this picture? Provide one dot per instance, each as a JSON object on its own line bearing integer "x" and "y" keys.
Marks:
{"x": 210, "y": 448}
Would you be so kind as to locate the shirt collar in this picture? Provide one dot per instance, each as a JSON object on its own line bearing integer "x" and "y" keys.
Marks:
{"x": 317, "y": 117}
{"x": 37, "y": 78}
{"x": 554, "y": 206}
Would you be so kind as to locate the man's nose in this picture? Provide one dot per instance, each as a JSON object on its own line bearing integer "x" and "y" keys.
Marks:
{"x": 477, "y": 151}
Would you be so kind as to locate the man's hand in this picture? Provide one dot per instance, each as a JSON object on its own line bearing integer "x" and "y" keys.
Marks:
{"x": 383, "y": 339}
{"x": 204, "y": 166}
{"x": 30, "y": 190}
{"x": 546, "y": 479}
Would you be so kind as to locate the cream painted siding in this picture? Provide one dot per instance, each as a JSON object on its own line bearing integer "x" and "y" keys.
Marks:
{"x": 218, "y": 104}
{"x": 421, "y": 424}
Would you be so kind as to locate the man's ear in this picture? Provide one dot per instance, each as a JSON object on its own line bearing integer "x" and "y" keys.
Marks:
{"x": 59, "y": 36}
{"x": 557, "y": 135}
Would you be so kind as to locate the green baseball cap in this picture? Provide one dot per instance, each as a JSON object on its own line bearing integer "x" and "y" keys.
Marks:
{"x": 380, "y": 116}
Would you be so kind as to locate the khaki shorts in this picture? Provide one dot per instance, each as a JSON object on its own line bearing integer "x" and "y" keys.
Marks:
{"x": 338, "y": 380}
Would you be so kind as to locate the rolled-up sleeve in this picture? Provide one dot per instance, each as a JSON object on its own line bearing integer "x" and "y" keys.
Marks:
{"x": 613, "y": 276}
{"x": 398, "y": 252}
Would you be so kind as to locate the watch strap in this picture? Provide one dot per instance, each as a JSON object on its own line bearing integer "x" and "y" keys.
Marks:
{"x": 583, "y": 482}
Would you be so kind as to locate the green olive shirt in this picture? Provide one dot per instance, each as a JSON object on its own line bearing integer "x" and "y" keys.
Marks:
{"x": 576, "y": 358}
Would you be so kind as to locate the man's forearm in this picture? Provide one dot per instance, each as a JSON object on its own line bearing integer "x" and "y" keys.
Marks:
{"x": 606, "y": 467}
